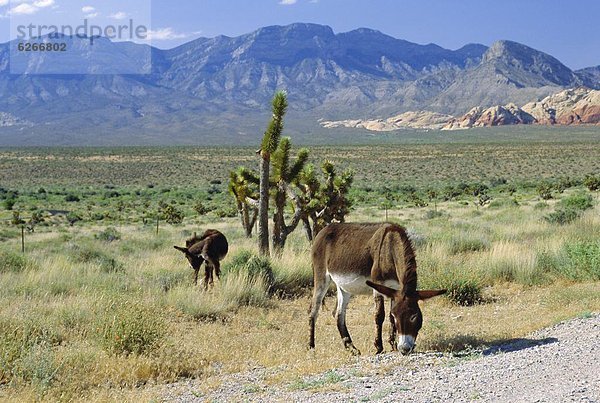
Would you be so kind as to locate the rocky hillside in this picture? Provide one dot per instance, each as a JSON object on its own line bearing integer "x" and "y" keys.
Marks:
{"x": 508, "y": 72}
{"x": 573, "y": 106}
{"x": 576, "y": 106}
{"x": 412, "y": 120}
{"x": 569, "y": 107}
{"x": 8, "y": 120}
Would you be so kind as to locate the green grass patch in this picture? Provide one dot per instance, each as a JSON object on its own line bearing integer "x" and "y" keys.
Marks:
{"x": 466, "y": 244}
{"x": 578, "y": 201}
{"x": 89, "y": 254}
{"x": 11, "y": 262}
{"x": 252, "y": 265}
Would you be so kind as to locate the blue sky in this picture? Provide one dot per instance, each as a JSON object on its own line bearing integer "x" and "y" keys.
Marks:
{"x": 567, "y": 30}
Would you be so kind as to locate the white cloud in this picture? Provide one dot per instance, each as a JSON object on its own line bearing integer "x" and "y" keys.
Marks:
{"x": 88, "y": 9}
{"x": 23, "y": 9}
{"x": 164, "y": 34}
{"x": 119, "y": 15}
{"x": 91, "y": 15}
{"x": 4, "y": 2}
{"x": 288, "y": 2}
{"x": 43, "y": 3}
{"x": 26, "y": 8}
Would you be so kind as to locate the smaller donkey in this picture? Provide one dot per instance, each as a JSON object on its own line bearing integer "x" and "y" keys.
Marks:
{"x": 211, "y": 247}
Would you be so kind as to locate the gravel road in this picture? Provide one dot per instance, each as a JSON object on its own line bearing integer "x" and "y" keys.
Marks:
{"x": 557, "y": 364}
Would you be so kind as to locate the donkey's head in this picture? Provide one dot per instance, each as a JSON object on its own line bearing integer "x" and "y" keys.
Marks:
{"x": 407, "y": 315}
{"x": 195, "y": 260}
{"x": 192, "y": 240}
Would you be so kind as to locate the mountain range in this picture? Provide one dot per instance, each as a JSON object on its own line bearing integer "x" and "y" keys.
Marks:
{"x": 218, "y": 90}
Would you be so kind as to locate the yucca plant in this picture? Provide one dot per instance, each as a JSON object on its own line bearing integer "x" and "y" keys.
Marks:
{"x": 269, "y": 145}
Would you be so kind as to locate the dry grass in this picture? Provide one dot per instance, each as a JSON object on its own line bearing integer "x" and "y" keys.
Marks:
{"x": 65, "y": 298}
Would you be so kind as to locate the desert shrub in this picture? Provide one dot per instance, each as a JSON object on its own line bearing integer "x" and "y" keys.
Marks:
{"x": 97, "y": 216}
{"x": 465, "y": 292}
{"x": 466, "y": 243}
{"x": 544, "y": 190}
{"x": 540, "y": 206}
{"x": 89, "y": 254}
{"x": 463, "y": 284}
{"x": 418, "y": 240}
{"x": 242, "y": 289}
{"x": 592, "y": 182}
{"x": 578, "y": 202}
{"x": 72, "y": 198}
{"x": 148, "y": 244}
{"x": 585, "y": 259}
{"x": 11, "y": 262}
{"x": 108, "y": 235}
{"x": 496, "y": 182}
{"x": 235, "y": 290}
{"x": 111, "y": 194}
{"x": 166, "y": 279}
{"x": 24, "y": 351}
{"x": 131, "y": 328}
{"x": 201, "y": 208}
{"x": 251, "y": 264}
{"x": 462, "y": 288}
{"x": 562, "y": 216}
{"x": 171, "y": 214}
{"x": 293, "y": 276}
{"x": 477, "y": 189}
{"x": 500, "y": 203}
{"x": 431, "y": 214}
{"x": 72, "y": 218}
{"x": 9, "y": 203}
{"x": 577, "y": 261}
{"x": 226, "y": 212}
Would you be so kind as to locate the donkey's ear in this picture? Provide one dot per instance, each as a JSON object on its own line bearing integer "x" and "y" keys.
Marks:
{"x": 184, "y": 250}
{"x": 387, "y": 291}
{"x": 426, "y": 294}
{"x": 194, "y": 236}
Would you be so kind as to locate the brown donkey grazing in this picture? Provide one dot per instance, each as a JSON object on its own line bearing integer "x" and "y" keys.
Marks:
{"x": 211, "y": 247}
{"x": 363, "y": 259}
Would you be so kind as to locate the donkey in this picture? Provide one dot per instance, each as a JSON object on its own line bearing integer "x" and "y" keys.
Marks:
{"x": 369, "y": 258}
{"x": 211, "y": 247}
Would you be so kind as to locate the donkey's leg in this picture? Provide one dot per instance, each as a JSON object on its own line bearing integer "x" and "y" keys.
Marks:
{"x": 392, "y": 338}
{"x": 319, "y": 291}
{"x": 211, "y": 264}
{"x": 342, "y": 304}
{"x": 196, "y": 263}
{"x": 379, "y": 319}
{"x": 218, "y": 268}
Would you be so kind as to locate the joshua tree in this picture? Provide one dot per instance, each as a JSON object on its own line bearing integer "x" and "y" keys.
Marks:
{"x": 170, "y": 213}
{"x": 335, "y": 193}
{"x": 544, "y": 190}
{"x": 592, "y": 182}
{"x": 433, "y": 195}
{"x": 243, "y": 185}
{"x": 17, "y": 220}
{"x": 269, "y": 145}
{"x": 36, "y": 218}
{"x": 326, "y": 202}
{"x": 283, "y": 175}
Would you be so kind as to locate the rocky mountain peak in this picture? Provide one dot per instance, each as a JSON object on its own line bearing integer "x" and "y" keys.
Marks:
{"x": 511, "y": 58}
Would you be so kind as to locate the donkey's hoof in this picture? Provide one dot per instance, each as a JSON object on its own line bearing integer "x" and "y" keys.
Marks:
{"x": 353, "y": 350}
